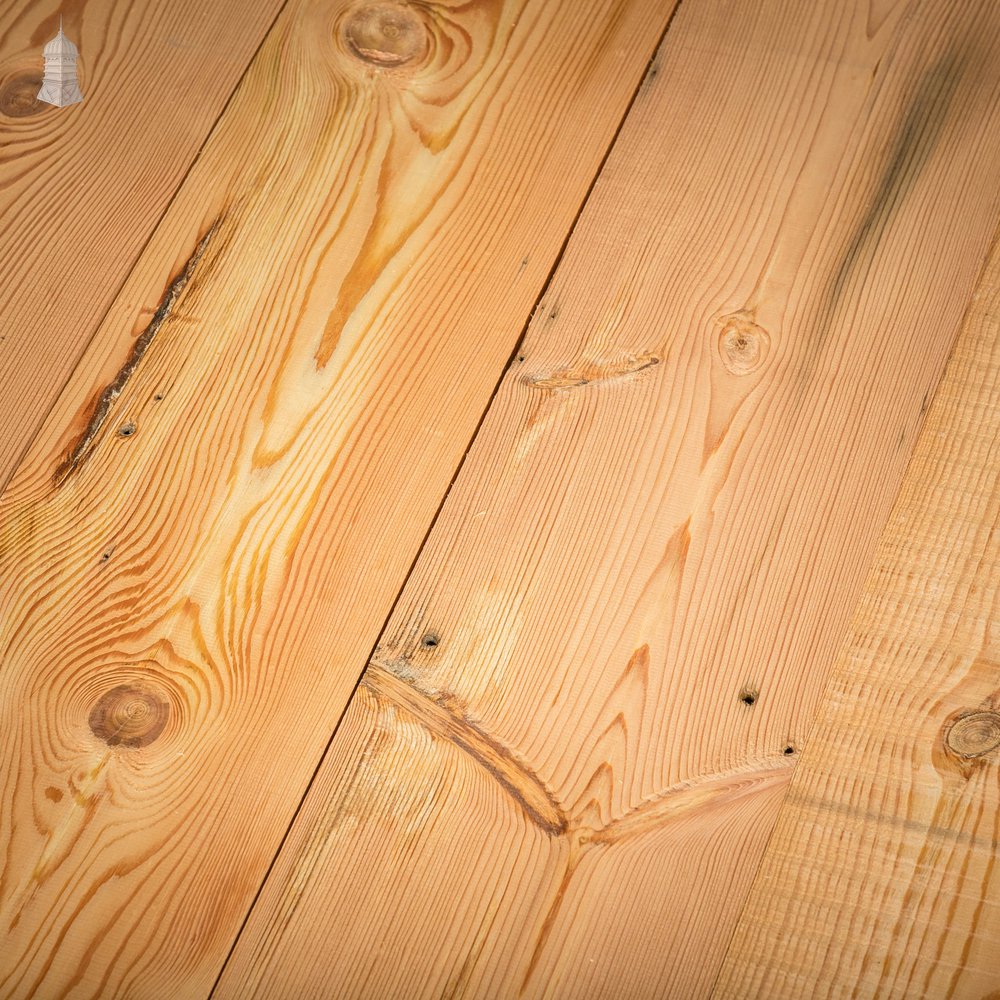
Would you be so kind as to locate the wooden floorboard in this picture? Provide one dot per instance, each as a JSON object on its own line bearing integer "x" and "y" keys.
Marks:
{"x": 562, "y": 767}
{"x": 881, "y": 879}
{"x": 438, "y": 481}
{"x": 200, "y": 548}
{"x": 82, "y": 187}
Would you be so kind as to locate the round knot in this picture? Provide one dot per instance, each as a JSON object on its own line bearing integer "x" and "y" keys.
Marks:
{"x": 386, "y": 35}
{"x": 19, "y": 96}
{"x": 974, "y": 735}
{"x": 742, "y": 343}
{"x": 130, "y": 715}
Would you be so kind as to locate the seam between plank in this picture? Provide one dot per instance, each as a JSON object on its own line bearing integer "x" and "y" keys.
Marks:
{"x": 511, "y": 359}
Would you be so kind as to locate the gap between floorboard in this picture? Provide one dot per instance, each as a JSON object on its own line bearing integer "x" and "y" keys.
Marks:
{"x": 451, "y": 482}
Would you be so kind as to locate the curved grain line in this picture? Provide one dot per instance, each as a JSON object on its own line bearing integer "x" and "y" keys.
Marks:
{"x": 439, "y": 715}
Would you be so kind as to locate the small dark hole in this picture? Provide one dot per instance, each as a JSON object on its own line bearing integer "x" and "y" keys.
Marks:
{"x": 520, "y": 358}
{"x": 429, "y": 641}
{"x": 158, "y": 397}
{"x": 789, "y": 750}
{"x": 126, "y": 430}
{"x": 748, "y": 697}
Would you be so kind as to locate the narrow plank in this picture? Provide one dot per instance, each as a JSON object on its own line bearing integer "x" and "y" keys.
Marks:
{"x": 82, "y": 188}
{"x": 884, "y": 860}
{"x": 561, "y": 769}
{"x": 203, "y": 543}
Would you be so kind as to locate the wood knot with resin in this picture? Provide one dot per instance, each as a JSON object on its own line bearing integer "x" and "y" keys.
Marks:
{"x": 743, "y": 345}
{"x": 130, "y": 715}
{"x": 19, "y": 95}
{"x": 974, "y": 735}
{"x": 386, "y": 35}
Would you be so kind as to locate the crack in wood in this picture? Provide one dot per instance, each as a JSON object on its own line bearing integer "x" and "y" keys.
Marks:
{"x": 707, "y": 791}
{"x": 84, "y": 446}
{"x": 591, "y": 374}
{"x": 444, "y": 718}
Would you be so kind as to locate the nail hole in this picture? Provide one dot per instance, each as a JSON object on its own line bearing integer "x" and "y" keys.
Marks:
{"x": 789, "y": 750}
{"x": 126, "y": 430}
{"x": 748, "y": 696}
{"x": 429, "y": 641}
{"x": 157, "y": 397}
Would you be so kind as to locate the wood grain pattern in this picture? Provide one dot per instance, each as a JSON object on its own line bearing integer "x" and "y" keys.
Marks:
{"x": 881, "y": 879}
{"x": 199, "y": 551}
{"x": 82, "y": 188}
{"x": 560, "y": 772}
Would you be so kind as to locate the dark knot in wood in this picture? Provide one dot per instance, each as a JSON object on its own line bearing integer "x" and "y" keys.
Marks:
{"x": 130, "y": 715}
{"x": 974, "y": 735}
{"x": 386, "y": 35}
{"x": 19, "y": 96}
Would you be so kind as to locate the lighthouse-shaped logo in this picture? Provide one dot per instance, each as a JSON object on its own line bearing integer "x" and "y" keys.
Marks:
{"x": 59, "y": 86}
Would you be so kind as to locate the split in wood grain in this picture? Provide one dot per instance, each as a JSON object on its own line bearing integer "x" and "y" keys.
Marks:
{"x": 594, "y": 373}
{"x": 446, "y": 718}
{"x": 84, "y": 187}
{"x": 105, "y": 402}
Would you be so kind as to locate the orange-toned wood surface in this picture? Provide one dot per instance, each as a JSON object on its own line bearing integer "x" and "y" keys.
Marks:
{"x": 82, "y": 188}
{"x": 200, "y": 548}
{"x": 884, "y": 857}
{"x": 427, "y": 580}
{"x": 565, "y": 759}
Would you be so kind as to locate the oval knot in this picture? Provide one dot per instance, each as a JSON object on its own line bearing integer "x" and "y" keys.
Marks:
{"x": 743, "y": 344}
{"x": 386, "y": 35}
{"x": 974, "y": 735}
{"x": 19, "y": 96}
{"x": 130, "y": 715}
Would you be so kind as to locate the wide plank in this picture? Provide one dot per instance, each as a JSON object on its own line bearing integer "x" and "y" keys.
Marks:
{"x": 881, "y": 879}
{"x": 83, "y": 187}
{"x": 200, "y": 549}
{"x": 565, "y": 759}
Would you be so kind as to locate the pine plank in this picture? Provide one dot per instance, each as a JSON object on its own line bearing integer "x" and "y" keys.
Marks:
{"x": 82, "y": 188}
{"x": 881, "y": 879}
{"x": 562, "y": 766}
{"x": 203, "y": 543}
